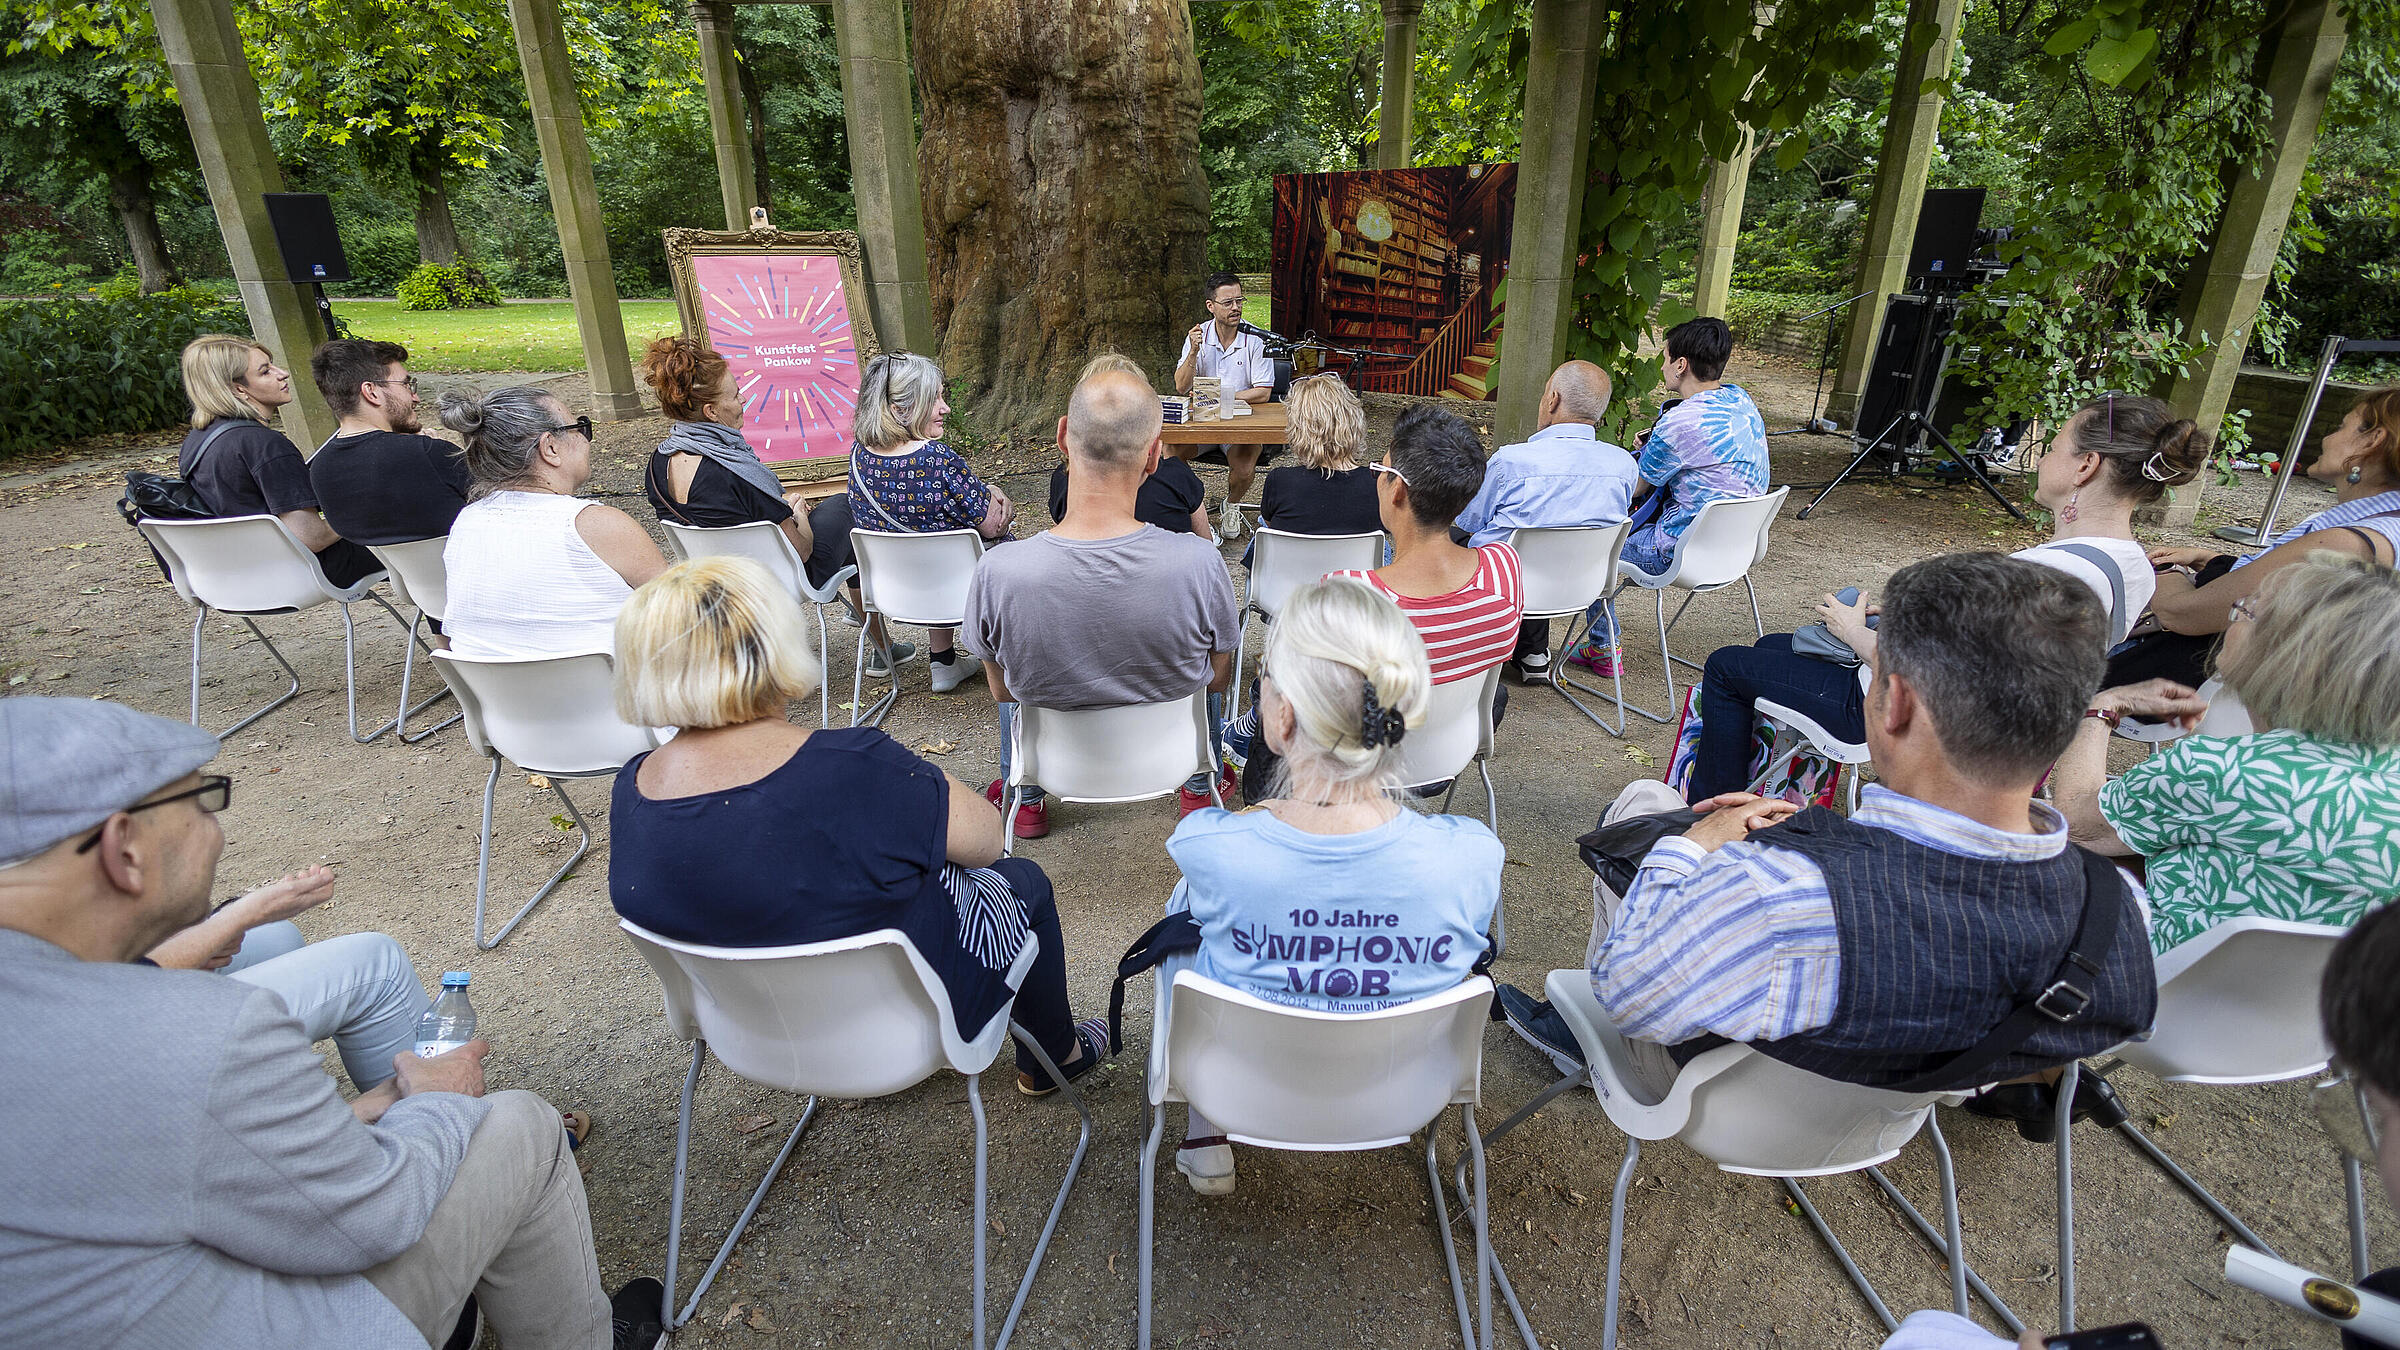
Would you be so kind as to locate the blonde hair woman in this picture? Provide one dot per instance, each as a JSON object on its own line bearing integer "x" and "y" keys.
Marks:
{"x": 2299, "y": 819}
{"x": 1346, "y": 682}
{"x": 904, "y": 479}
{"x": 241, "y": 466}
{"x": 1328, "y": 491}
{"x": 748, "y": 831}
{"x": 1172, "y": 497}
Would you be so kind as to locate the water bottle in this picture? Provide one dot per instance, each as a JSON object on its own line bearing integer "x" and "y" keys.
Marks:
{"x": 450, "y": 1022}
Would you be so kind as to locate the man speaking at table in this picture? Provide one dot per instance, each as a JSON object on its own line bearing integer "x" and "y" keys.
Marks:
{"x": 1218, "y": 347}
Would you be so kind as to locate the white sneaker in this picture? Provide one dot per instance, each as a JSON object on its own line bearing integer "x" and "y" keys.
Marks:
{"x": 879, "y": 667}
{"x": 1209, "y": 1170}
{"x": 950, "y": 674}
{"x": 1230, "y": 523}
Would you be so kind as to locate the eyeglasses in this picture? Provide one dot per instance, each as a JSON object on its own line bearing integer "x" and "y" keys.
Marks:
{"x": 2342, "y": 1112}
{"x": 1379, "y": 467}
{"x": 213, "y": 795}
{"x": 410, "y": 383}
{"x": 581, "y": 426}
{"x": 1234, "y": 303}
{"x": 2243, "y": 610}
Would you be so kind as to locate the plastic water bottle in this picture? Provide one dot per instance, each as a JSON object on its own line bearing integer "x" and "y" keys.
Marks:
{"x": 450, "y": 1022}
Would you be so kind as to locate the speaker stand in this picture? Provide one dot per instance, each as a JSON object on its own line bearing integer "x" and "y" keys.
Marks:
{"x": 335, "y": 329}
{"x": 1909, "y": 424}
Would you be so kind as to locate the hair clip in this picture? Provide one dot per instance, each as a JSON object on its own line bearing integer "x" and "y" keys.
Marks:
{"x": 1379, "y": 725}
{"x": 2155, "y": 468}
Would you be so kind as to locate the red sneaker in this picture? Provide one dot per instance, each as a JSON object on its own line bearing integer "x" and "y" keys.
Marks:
{"x": 1192, "y": 801}
{"x": 1033, "y": 818}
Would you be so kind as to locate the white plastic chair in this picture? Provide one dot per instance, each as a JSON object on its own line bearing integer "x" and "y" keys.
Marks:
{"x": 1754, "y": 1116}
{"x": 2225, "y": 717}
{"x": 766, "y": 544}
{"x": 1457, "y": 733}
{"x": 1719, "y": 547}
{"x": 2237, "y": 1005}
{"x": 916, "y": 579}
{"x": 1320, "y": 1082}
{"x": 251, "y": 565}
{"x": 1567, "y": 571}
{"x": 1851, "y": 755}
{"x": 1281, "y": 562}
{"x": 556, "y": 717}
{"x": 419, "y": 579}
{"x": 1128, "y": 754}
{"x": 854, "y": 1018}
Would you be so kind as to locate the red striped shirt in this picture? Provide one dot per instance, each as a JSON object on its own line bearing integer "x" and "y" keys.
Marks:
{"x": 1473, "y": 628}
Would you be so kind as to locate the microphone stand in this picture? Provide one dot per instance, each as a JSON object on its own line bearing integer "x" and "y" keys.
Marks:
{"x": 1824, "y": 361}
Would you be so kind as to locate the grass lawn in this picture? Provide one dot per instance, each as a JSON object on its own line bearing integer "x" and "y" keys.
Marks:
{"x": 504, "y": 337}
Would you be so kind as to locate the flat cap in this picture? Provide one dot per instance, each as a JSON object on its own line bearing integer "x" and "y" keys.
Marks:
{"x": 67, "y": 764}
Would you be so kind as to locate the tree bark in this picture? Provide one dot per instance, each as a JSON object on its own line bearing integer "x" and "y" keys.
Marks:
{"x": 437, "y": 233}
{"x": 754, "y": 111}
{"x": 1065, "y": 207}
{"x": 137, "y": 212}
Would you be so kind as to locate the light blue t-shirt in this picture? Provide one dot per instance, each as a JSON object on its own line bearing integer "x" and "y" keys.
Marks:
{"x": 1560, "y": 477}
{"x": 1336, "y": 922}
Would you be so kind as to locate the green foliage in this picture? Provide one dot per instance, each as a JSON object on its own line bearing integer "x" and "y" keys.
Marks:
{"x": 501, "y": 338}
{"x": 1286, "y": 87}
{"x": 1749, "y": 313}
{"x": 381, "y": 253}
{"x": 456, "y": 286}
{"x": 80, "y": 367}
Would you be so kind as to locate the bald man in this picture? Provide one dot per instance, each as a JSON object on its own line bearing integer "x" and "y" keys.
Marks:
{"x": 1563, "y": 475}
{"x": 1102, "y": 610}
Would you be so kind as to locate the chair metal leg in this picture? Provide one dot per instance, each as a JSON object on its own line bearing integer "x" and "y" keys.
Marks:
{"x": 2198, "y": 1192}
{"x": 983, "y": 1192}
{"x": 1441, "y": 1229}
{"x": 1483, "y": 1234}
{"x": 1957, "y": 1248}
{"x": 683, "y": 1148}
{"x": 1559, "y": 681}
{"x": 1666, "y": 661}
{"x": 1147, "y": 1203}
{"x": 1933, "y": 1240}
{"x": 1616, "y": 1242}
{"x": 2355, "y": 1182}
{"x": 1688, "y": 598}
{"x": 483, "y": 862}
{"x": 858, "y": 668}
{"x": 1759, "y": 623}
{"x": 1010, "y": 800}
{"x": 408, "y": 668}
{"x": 291, "y": 692}
{"x": 824, "y": 657}
{"x": 1858, "y": 1278}
{"x": 408, "y": 630}
{"x": 1083, "y": 1143}
{"x": 1241, "y": 646}
{"x": 2066, "y": 1195}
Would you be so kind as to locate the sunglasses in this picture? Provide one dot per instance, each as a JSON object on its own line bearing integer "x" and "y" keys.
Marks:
{"x": 2243, "y": 610}
{"x": 213, "y": 795}
{"x": 581, "y": 426}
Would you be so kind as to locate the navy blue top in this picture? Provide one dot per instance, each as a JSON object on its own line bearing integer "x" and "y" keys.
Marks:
{"x": 846, "y": 837}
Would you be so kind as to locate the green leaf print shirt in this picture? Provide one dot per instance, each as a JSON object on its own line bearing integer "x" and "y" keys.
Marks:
{"x": 2278, "y": 824}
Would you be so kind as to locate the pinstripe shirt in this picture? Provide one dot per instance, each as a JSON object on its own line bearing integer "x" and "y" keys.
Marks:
{"x": 1741, "y": 942}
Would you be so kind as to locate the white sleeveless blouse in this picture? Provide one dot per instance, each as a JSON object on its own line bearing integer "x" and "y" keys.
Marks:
{"x": 524, "y": 584}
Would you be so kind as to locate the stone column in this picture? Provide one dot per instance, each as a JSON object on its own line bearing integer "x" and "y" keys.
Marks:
{"x": 1552, "y": 168}
{"x": 1393, "y": 124}
{"x": 880, "y": 114}
{"x": 1720, "y": 227}
{"x": 1900, "y": 171}
{"x": 2221, "y": 296}
{"x": 212, "y": 79}
{"x": 575, "y": 202}
{"x": 727, "y": 126}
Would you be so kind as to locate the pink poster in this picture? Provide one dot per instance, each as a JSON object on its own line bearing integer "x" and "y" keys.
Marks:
{"x": 783, "y": 324}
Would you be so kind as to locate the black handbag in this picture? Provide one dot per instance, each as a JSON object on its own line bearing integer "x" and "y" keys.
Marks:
{"x": 1614, "y": 849}
{"x": 158, "y": 496}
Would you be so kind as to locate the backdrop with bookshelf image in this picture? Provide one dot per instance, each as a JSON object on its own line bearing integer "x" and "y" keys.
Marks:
{"x": 1399, "y": 261}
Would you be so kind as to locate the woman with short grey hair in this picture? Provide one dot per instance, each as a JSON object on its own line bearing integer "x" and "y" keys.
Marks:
{"x": 903, "y": 479}
{"x": 534, "y": 570}
{"x": 2298, "y": 820}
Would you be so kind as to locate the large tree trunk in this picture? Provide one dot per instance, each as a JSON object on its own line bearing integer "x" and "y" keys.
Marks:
{"x": 437, "y": 233}
{"x": 754, "y": 111}
{"x": 137, "y": 212}
{"x": 1065, "y": 207}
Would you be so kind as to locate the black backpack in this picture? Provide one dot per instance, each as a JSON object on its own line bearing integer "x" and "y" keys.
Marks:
{"x": 158, "y": 496}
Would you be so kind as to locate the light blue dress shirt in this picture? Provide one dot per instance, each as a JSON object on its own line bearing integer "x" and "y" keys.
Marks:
{"x": 1560, "y": 477}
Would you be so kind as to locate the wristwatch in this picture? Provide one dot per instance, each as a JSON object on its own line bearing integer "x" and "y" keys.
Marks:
{"x": 2112, "y": 716}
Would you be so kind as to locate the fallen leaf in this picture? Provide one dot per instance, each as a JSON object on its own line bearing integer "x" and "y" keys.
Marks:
{"x": 536, "y": 780}
{"x": 752, "y": 1124}
{"x": 1000, "y": 1228}
{"x": 1640, "y": 756}
{"x": 18, "y": 679}
{"x": 733, "y": 1314}
{"x": 1576, "y": 1196}
{"x": 559, "y": 823}
{"x": 1112, "y": 1263}
{"x": 937, "y": 747}
{"x": 758, "y": 1320}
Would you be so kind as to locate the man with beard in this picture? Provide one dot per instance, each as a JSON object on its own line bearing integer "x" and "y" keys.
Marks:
{"x": 378, "y": 480}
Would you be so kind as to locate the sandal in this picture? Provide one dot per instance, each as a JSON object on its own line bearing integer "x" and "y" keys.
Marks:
{"x": 578, "y": 1125}
{"x": 1091, "y": 1036}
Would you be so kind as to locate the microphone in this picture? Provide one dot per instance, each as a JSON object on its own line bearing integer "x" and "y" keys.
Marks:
{"x": 1249, "y": 329}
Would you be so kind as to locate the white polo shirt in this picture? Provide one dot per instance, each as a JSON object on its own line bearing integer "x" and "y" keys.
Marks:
{"x": 1244, "y": 365}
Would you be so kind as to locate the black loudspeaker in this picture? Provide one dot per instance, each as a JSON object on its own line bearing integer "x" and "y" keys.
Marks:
{"x": 1893, "y": 375}
{"x": 1945, "y": 233}
{"x": 307, "y": 237}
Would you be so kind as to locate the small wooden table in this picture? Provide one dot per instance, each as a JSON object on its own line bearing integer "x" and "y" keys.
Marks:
{"x": 1266, "y": 425}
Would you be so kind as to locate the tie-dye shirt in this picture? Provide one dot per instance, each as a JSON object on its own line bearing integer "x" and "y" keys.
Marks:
{"x": 1712, "y": 445}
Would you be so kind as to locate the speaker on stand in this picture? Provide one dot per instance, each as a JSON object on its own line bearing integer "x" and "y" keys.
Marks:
{"x": 311, "y": 245}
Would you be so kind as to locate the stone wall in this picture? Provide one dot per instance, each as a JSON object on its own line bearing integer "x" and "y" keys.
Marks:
{"x": 2274, "y": 398}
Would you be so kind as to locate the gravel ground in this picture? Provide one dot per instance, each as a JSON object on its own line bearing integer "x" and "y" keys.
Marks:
{"x": 864, "y": 1243}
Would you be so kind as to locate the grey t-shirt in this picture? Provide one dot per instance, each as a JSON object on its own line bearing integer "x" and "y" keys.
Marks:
{"x": 1101, "y": 623}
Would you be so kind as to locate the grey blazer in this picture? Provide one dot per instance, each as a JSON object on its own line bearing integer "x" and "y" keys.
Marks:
{"x": 177, "y": 1169}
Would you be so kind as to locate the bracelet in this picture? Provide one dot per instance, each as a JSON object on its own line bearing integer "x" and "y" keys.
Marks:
{"x": 2111, "y": 716}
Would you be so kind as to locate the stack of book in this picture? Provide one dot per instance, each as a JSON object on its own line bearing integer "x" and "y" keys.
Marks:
{"x": 1175, "y": 410}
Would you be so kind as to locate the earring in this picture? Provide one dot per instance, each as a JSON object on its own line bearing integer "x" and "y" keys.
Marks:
{"x": 2353, "y": 476}
{"x": 2066, "y": 514}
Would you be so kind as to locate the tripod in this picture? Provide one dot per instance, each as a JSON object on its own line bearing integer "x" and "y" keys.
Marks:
{"x": 1913, "y": 422}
